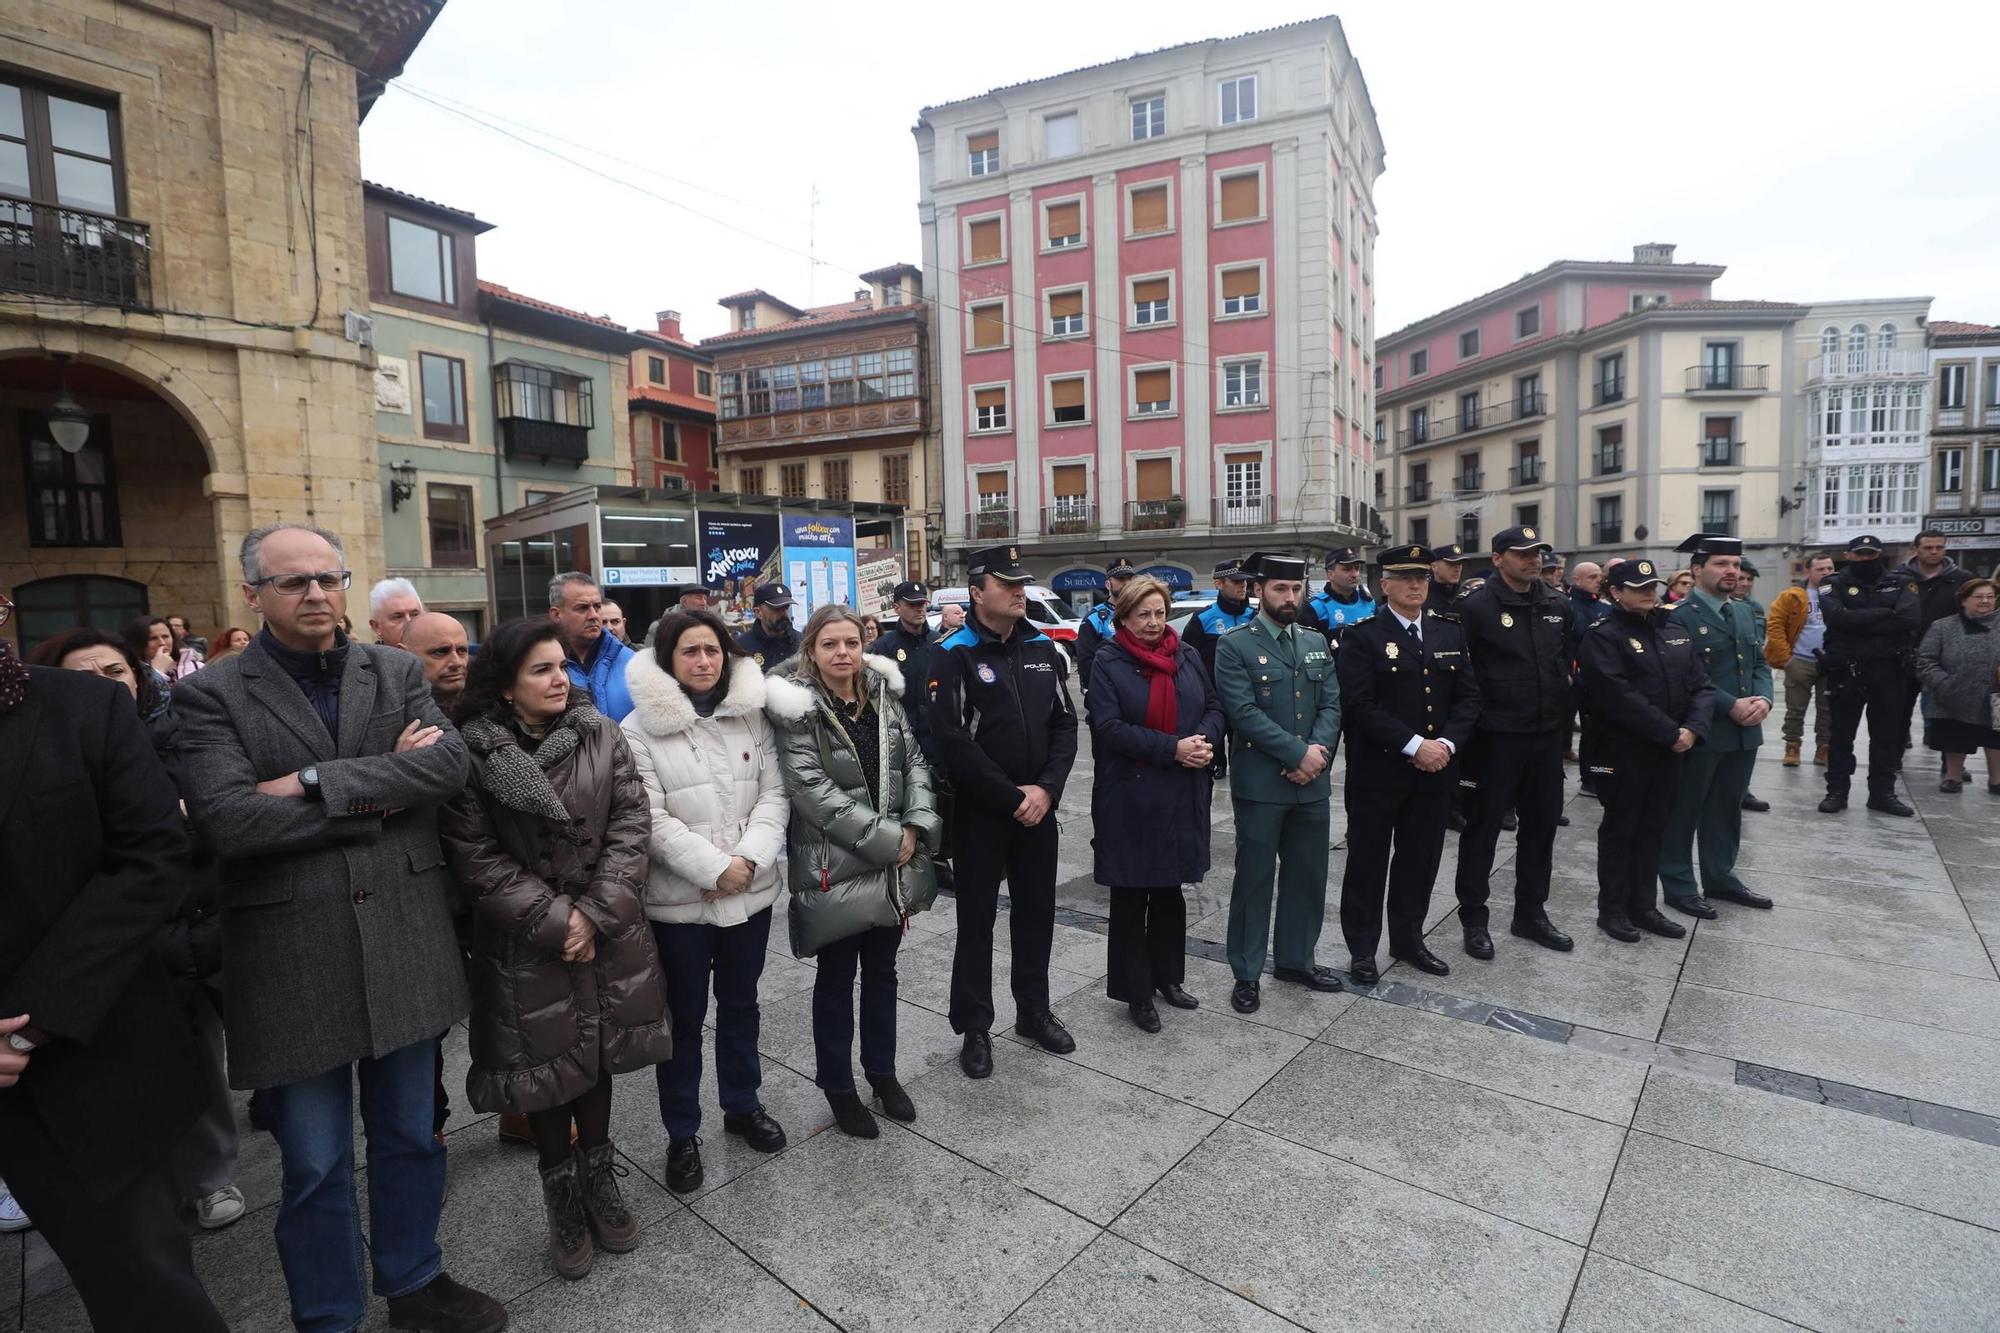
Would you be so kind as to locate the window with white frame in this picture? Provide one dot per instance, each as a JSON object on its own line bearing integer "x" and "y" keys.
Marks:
{"x": 1062, "y": 224}
{"x": 1243, "y": 497}
{"x": 1239, "y": 197}
{"x": 988, "y": 325}
{"x": 1951, "y": 388}
{"x": 1152, "y": 300}
{"x": 1061, "y": 135}
{"x": 989, "y": 407}
{"x": 1149, "y": 117}
{"x": 982, "y": 153}
{"x": 1989, "y": 470}
{"x": 1242, "y": 291}
{"x": 1718, "y": 512}
{"x": 1647, "y": 300}
{"x": 1885, "y": 343}
{"x": 1950, "y": 471}
{"x": 1069, "y": 400}
{"x": 1238, "y": 99}
{"x": 1153, "y": 391}
{"x": 1993, "y": 384}
{"x": 1830, "y": 419}
{"x": 1468, "y": 344}
{"x": 1420, "y": 361}
{"x": 1910, "y": 506}
{"x": 1829, "y": 346}
{"x": 1149, "y": 209}
{"x": 1243, "y": 383}
{"x": 1527, "y": 321}
{"x": 986, "y": 239}
{"x": 1857, "y": 349}
{"x": 1066, "y": 312}
{"x": 1829, "y": 494}
{"x": 1877, "y": 502}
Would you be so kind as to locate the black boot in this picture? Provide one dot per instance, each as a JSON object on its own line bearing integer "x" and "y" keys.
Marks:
{"x": 896, "y": 1103}
{"x": 852, "y": 1117}
{"x": 684, "y": 1165}
{"x": 446, "y": 1306}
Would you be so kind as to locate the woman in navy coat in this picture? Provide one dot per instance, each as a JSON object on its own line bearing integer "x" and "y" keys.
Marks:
{"x": 1155, "y": 727}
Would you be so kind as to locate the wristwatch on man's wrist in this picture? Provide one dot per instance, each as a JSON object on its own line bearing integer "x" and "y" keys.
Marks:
{"x": 309, "y": 779}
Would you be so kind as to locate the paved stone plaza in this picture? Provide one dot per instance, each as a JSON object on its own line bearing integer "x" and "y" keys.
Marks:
{"x": 1791, "y": 1119}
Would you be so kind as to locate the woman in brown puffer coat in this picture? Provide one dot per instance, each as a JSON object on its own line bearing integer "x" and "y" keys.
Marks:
{"x": 548, "y": 842}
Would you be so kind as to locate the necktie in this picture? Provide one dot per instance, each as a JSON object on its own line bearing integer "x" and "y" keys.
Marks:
{"x": 1416, "y": 635}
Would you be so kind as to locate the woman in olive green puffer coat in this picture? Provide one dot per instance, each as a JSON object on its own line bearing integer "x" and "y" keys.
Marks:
{"x": 862, "y": 834}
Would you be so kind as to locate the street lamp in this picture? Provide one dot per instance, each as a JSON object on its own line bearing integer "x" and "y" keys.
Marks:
{"x": 403, "y": 484}
{"x": 1786, "y": 504}
{"x": 69, "y": 424}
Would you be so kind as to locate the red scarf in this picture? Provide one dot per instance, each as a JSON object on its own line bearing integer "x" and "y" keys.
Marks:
{"x": 1162, "y": 704}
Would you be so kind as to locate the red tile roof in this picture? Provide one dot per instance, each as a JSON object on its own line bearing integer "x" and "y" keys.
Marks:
{"x": 653, "y": 393}
{"x": 494, "y": 289}
{"x": 677, "y": 344}
{"x": 755, "y": 294}
{"x": 842, "y": 313}
{"x": 1955, "y": 328}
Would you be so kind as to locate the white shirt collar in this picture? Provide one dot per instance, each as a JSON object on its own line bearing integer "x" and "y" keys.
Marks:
{"x": 1407, "y": 623}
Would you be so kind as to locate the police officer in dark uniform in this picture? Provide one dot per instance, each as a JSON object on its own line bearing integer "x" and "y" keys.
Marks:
{"x": 1343, "y": 600}
{"x": 1651, "y": 702}
{"x": 1005, "y": 733}
{"x": 1230, "y": 609}
{"x": 1096, "y": 629}
{"x": 1517, "y": 629}
{"x": 1408, "y": 702}
{"x": 907, "y": 641}
{"x": 1873, "y": 616}
{"x": 1447, "y": 572}
{"x": 771, "y": 638}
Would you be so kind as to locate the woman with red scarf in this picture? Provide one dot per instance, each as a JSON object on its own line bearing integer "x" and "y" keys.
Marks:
{"x": 1155, "y": 727}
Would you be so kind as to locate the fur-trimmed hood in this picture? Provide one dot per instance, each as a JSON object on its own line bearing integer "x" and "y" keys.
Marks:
{"x": 789, "y": 700}
{"x": 662, "y": 707}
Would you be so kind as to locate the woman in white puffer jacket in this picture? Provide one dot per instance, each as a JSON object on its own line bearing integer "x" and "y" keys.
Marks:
{"x": 703, "y": 746}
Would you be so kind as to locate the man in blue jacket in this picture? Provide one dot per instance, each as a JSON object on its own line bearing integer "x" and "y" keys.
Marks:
{"x": 1096, "y": 628}
{"x": 594, "y": 659}
{"x": 1343, "y": 600}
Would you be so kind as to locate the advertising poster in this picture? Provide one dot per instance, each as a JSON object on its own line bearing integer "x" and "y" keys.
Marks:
{"x": 818, "y": 562}
{"x": 738, "y": 551}
{"x": 878, "y": 577}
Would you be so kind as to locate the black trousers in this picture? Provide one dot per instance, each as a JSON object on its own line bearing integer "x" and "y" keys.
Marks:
{"x": 1635, "y": 782}
{"x": 1394, "y": 839}
{"x": 987, "y": 848}
{"x": 127, "y": 1255}
{"x": 873, "y": 951}
{"x": 1148, "y": 942}
{"x": 1522, "y": 772}
{"x": 1587, "y": 741}
{"x": 1881, "y": 689}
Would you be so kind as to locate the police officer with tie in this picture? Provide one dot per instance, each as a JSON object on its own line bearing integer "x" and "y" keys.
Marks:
{"x": 1343, "y": 600}
{"x": 1517, "y": 629}
{"x": 1005, "y": 733}
{"x": 1282, "y": 703}
{"x": 1408, "y": 701}
{"x": 1650, "y": 705}
{"x": 1873, "y": 619}
{"x": 1708, "y": 799}
{"x": 1096, "y": 629}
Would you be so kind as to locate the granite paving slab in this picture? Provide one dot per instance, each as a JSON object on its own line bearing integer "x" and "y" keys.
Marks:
{"x": 1928, "y": 947}
{"x": 1116, "y": 1287}
{"x": 1525, "y": 976}
{"x": 1290, "y": 1008}
{"x": 1614, "y": 1297}
{"x": 1934, "y": 999}
{"x": 1834, "y": 853}
{"x": 789, "y": 1097}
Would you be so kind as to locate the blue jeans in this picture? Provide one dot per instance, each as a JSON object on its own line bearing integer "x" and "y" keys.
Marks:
{"x": 319, "y": 1222}
{"x": 689, "y": 954}
{"x": 874, "y": 950}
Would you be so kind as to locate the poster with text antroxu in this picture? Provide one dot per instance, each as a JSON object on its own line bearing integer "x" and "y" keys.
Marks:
{"x": 737, "y": 551}
{"x": 819, "y": 562}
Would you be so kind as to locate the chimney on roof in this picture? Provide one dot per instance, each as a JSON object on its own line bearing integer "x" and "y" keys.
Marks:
{"x": 669, "y": 322}
{"x": 863, "y": 294}
{"x": 1654, "y": 252}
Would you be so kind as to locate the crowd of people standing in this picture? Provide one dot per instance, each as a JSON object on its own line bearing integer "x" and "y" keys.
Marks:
{"x": 292, "y": 866}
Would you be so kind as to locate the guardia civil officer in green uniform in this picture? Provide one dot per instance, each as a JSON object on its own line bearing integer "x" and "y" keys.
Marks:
{"x": 1282, "y": 701}
{"x": 1708, "y": 801}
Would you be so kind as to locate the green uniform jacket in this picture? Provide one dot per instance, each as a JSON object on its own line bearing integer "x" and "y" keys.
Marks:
{"x": 1277, "y": 706}
{"x": 1734, "y": 662}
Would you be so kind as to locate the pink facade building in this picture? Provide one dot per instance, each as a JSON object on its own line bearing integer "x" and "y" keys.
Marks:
{"x": 1153, "y": 284}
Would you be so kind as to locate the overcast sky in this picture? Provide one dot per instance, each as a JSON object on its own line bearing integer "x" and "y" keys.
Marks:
{"x": 1819, "y": 150}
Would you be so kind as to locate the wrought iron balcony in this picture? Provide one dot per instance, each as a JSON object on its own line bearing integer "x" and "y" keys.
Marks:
{"x": 1710, "y": 378}
{"x": 1607, "y": 391}
{"x": 992, "y": 524}
{"x": 1521, "y": 407}
{"x": 1069, "y": 517}
{"x": 525, "y": 437}
{"x": 1609, "y": 462}
{"x": 1607, "y": 534}
{"x": 1721, "y": 453}
{"x": 1468, "y": 482}
{"x": 1527, "y": 472}
{"x": 74, "y": 254}
{"x": 1155, "y": 515}
{"x": 1417, "y": 492}
{"x": 1246, "y": 511}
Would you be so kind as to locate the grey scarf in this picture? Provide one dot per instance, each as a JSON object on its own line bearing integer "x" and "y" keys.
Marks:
{"x": 520, "y": 780}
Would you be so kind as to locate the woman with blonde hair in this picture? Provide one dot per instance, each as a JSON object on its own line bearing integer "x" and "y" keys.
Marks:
{"x": 1155, "y": 727}
{"x": 862, "y": 834}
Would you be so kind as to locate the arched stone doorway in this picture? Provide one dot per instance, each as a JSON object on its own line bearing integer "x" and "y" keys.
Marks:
{"x": 133, "y": 505}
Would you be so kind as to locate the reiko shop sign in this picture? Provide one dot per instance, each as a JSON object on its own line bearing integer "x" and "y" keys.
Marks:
{"x": 818, "y": 561}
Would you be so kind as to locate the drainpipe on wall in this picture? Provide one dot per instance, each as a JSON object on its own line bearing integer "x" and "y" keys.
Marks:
{"x": 499, "y": 479}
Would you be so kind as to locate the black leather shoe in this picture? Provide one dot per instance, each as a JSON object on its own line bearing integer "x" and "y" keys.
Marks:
{"x": 1833, "y": 805}
{"x": 1145, "y": 1017}
{"x": 1478, "y": 943}
{"x": 1046, "y": 1031}
{"x": 1363, "y": 972}
{"x": 1543, "y": 932}
{"x": 756, "y": 1129}
{"x": 975, "y": 1056}
{"x": 896, "y": 1103}
{"x": 1319, "y": 978}
{"x": 684, "y": 1165}
{"x": 1455, "y": 822}
{"x": 1562, "y": 821}
{"x": 1741, "y": 897}
{"x": 1696, "y": 906}
{"x": 1651, "y": 920}
{"x": 446, "y": 1306}
{"x": 1618, "y": 928}
{"x": 1889, "y": 805}
{"x": 1756, "y": 803}
{"x": 1422, "y": 959}
{"x": 852, "y": 1117}
{"x": 1245, "y": 996}
{"x": 1178, "y": 997}
{"x": 1510, "y": 821}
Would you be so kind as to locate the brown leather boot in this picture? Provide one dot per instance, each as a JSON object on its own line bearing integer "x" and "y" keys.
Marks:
{"x": 611, "y": 1222}
{"x": 1791, "y": 754}
{"x": 569, "y": 1219}
{"x": 1819, "y": 756}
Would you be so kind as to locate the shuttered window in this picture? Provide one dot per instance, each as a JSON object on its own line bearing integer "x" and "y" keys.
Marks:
{"x": 983, "y": 241}
{"x": 989, "y": 326}
{"x": 1242, "y": 291}
{"x": 1149, "y": 209}
{"x": 1065, "y": 225}
{"x": 1065, "y": 313}
{"x": 1239, "y": 198}
{"x": 1070, "y": 481}
{"x": 993, "y": 483}
{"x": 1066, "y": 403}
{"x": 982, "y": 153}
{"x": 1154, "y": 479}
{"x": 1153, "y": 391}
{"x": 989, "y": 409}
{"x": 1152, "y": 301}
